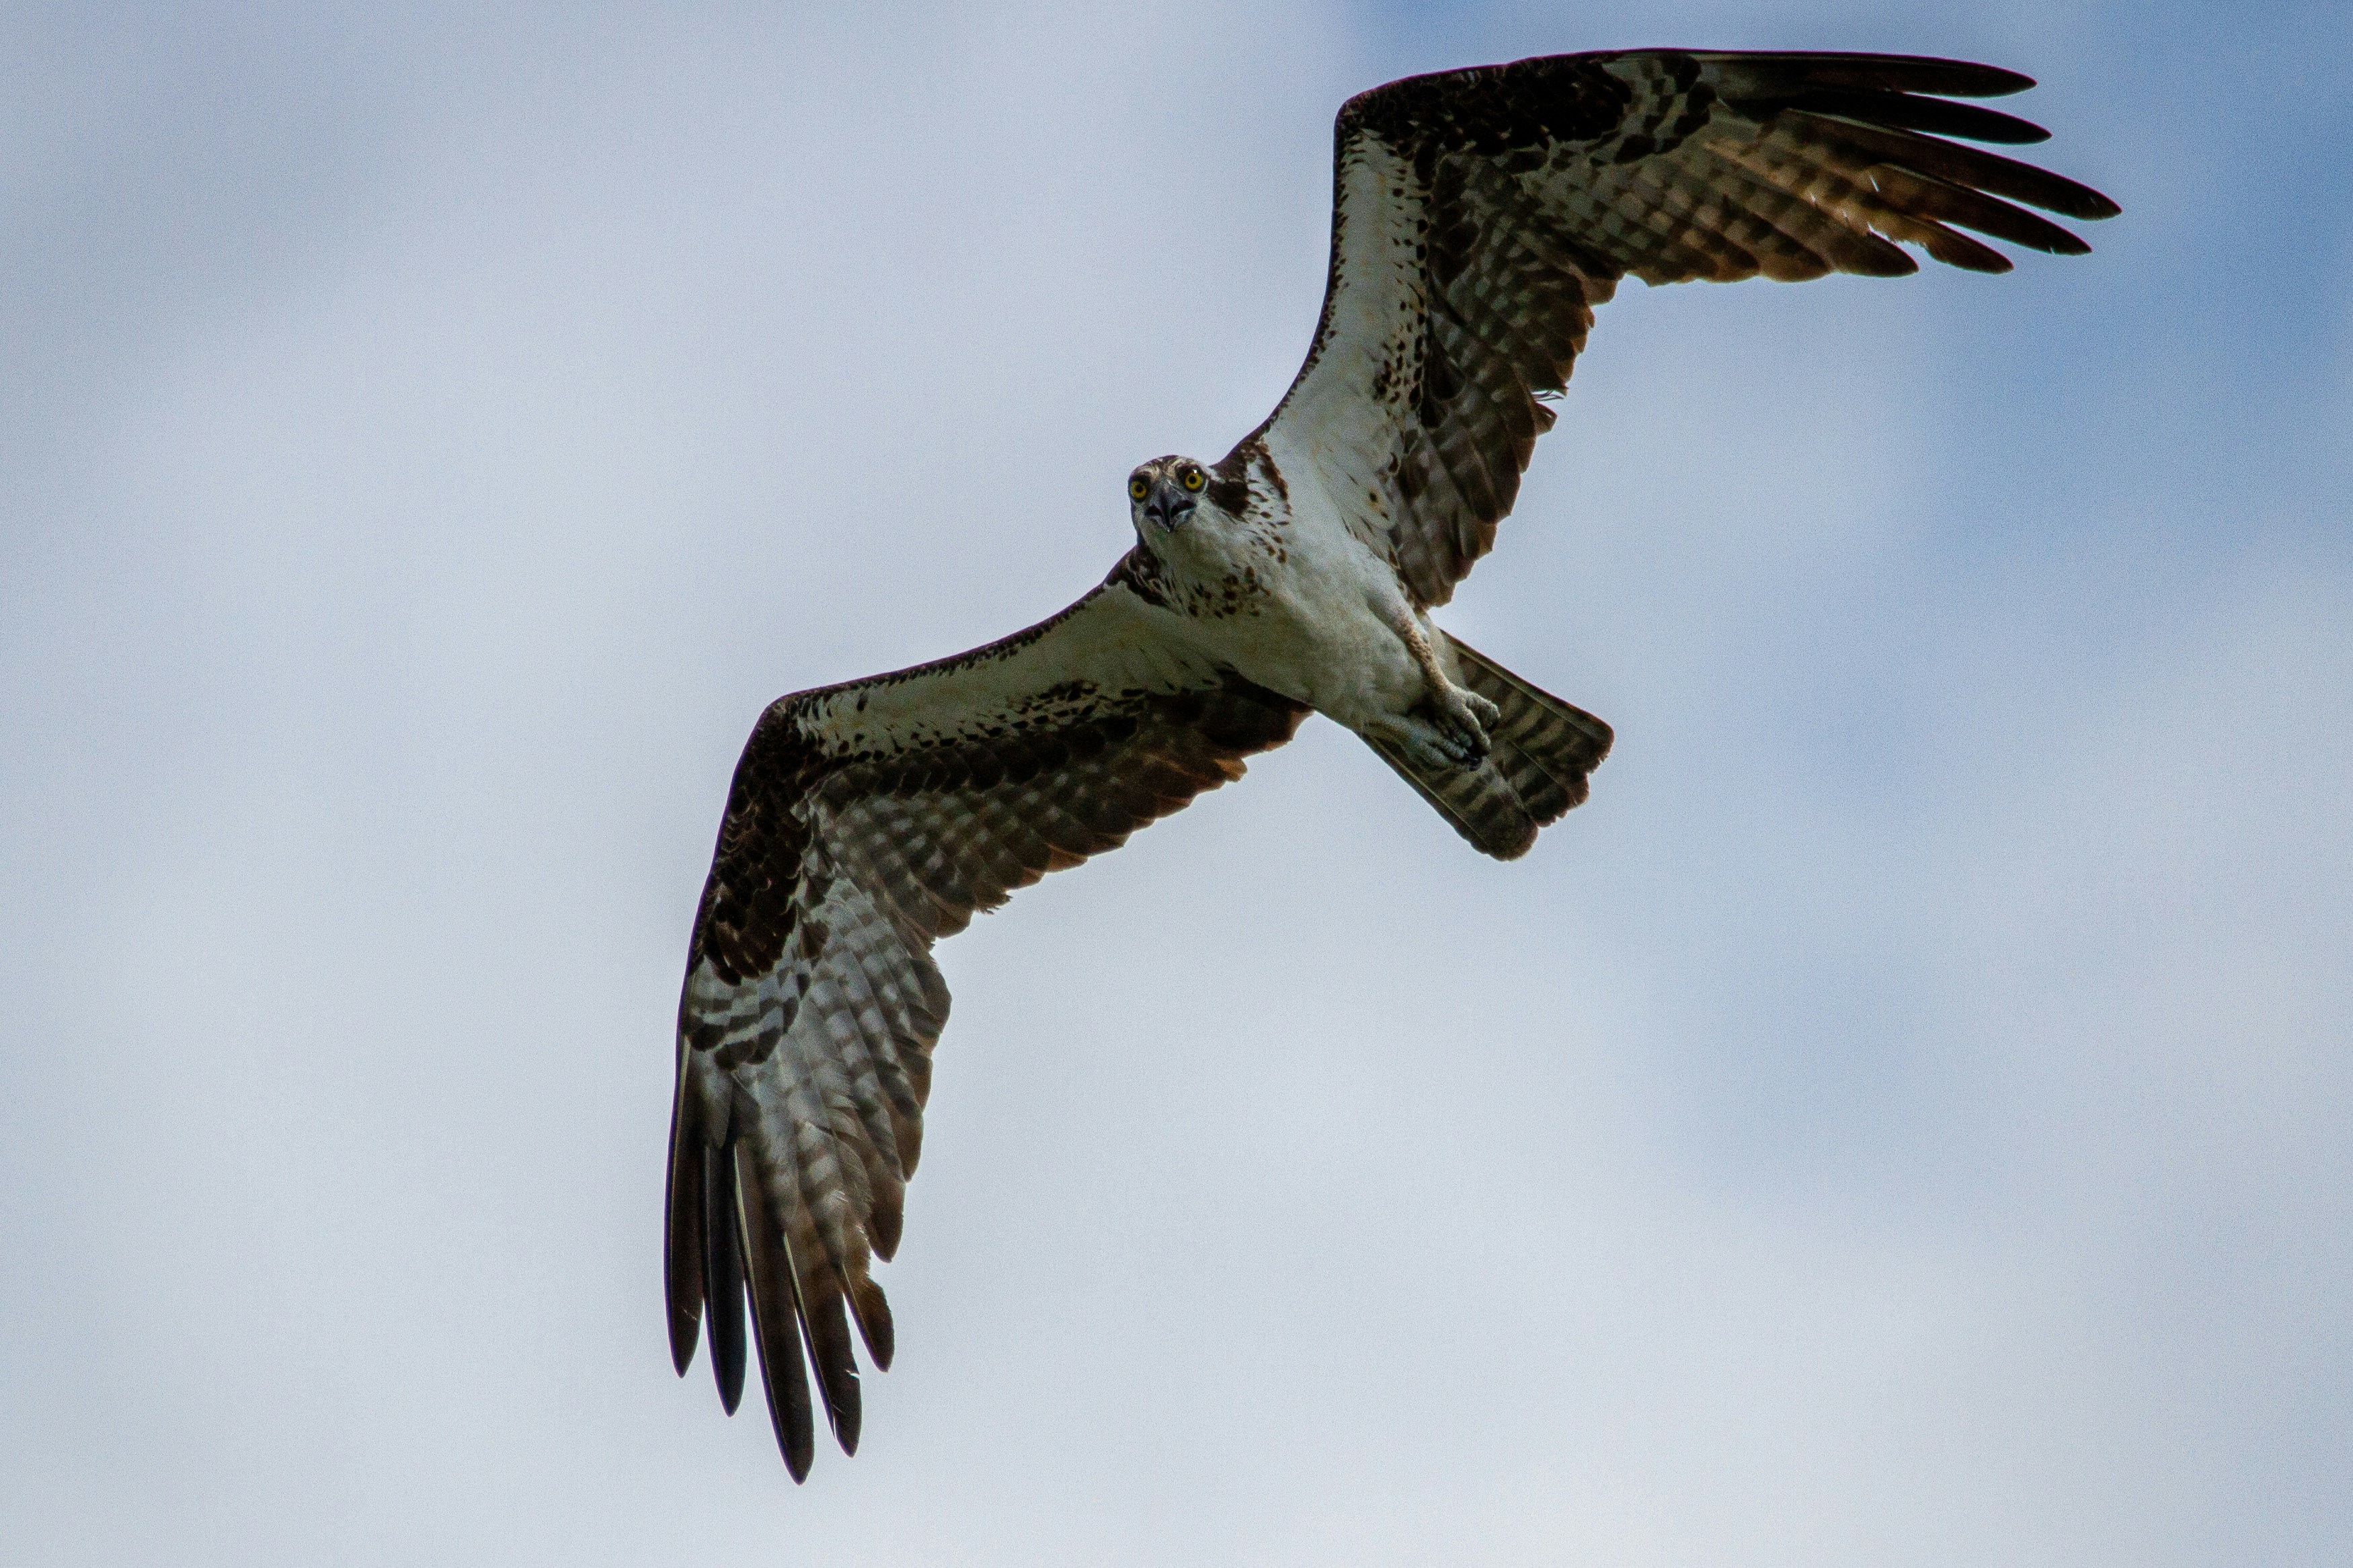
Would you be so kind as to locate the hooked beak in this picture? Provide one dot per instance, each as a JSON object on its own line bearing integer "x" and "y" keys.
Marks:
{"x": 1168, "y": 506}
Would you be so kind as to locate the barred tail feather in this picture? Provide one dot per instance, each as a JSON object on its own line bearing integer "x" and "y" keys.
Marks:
{"x": 1540, "y": 752}
{"x": 1544, "y": 747}
{"x": 1477, "y": 800}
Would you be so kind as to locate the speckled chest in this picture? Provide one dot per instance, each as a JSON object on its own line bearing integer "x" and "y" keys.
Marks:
{"x": 1232, "y": 569}
{"x": 1285, "y": 594}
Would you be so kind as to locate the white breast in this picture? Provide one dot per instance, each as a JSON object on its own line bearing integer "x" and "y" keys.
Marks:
{"x": 1299, "y": 603}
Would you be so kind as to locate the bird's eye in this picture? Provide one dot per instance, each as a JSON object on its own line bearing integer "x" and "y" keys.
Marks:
{"x": 1195, "y": 478}
{"x": 1138, "y": 487}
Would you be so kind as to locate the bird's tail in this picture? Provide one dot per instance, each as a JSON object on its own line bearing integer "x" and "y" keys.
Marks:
{"x": 1540, "y": 752}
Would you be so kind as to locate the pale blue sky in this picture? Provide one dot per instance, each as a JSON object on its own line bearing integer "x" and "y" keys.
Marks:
{"x": 1907, "y": 1116}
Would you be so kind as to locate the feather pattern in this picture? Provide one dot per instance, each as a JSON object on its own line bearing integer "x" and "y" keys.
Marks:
{"x": 1480, "y": 216}
{"x": 866, "y": 822}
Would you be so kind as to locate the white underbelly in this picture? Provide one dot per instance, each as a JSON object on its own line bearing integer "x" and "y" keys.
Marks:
{"x": 1314, "y": 633}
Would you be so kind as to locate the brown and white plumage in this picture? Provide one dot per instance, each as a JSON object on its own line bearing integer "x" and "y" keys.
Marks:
{"x": 1478, "y": 217}
{"x": 866, "y": 822}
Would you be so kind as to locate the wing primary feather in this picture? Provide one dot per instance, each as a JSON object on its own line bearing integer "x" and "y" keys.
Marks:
{"x": 1923, "y": 196}
{"x": 818, "y": 1284}
{"x": 1904, "y": 111}
{"x": 837, "y": 1365}
{"x": 682, "y": 1254}
{"x": 816, "y": 1295}
{"x": 776, "y": 1323}
{"x": 1766, "y": 75}
{"x": 723, "y": 1274}
{"x": 1967, "y": 166}
{"x": 872, "y": 1311}
{"x": 1955, "y": 249}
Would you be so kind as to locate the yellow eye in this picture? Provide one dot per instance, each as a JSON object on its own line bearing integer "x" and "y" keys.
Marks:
{"x": 1195, "y": 478}
{"x": 1139, "y": 486}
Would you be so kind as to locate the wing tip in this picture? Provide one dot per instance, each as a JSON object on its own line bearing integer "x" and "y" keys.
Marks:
{"x": 776, "y": 1323}
{"x": 844, "y": 1411}
{"x": 684, "y": 1340}
{"x": 722, "y": 1274}
{"x": 1934, "y": 74}
{"x": 872, "y": 1311}
{"x": 682, "y": 1215}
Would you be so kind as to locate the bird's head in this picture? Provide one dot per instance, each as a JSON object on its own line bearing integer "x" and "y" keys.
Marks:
{"x": 1162, "y": 495}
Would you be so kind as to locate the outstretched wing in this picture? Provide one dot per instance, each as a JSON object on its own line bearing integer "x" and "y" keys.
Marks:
{"x": 867, "y": 821}
{"x": 1480, "y": 216}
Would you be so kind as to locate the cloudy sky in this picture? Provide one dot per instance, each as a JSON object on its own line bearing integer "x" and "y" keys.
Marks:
{"x": 1907, "y": 1117}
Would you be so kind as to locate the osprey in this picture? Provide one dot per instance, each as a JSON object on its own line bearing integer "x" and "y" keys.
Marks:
{"x": 1478, "y": 217}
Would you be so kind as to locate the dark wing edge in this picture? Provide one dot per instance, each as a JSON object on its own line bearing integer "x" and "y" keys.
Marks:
{"x": 1480, "y": 216}
{"x": 811, "y": 1003}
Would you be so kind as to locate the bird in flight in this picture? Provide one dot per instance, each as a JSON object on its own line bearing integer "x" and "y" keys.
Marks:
{"x": 1478, "y": 217}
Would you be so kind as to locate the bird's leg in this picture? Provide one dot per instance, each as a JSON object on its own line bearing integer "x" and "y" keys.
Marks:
{"x": 1459, "y": 716}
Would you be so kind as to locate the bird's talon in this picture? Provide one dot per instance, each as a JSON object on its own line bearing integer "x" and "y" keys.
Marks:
{"x": 1461, "y": 732}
